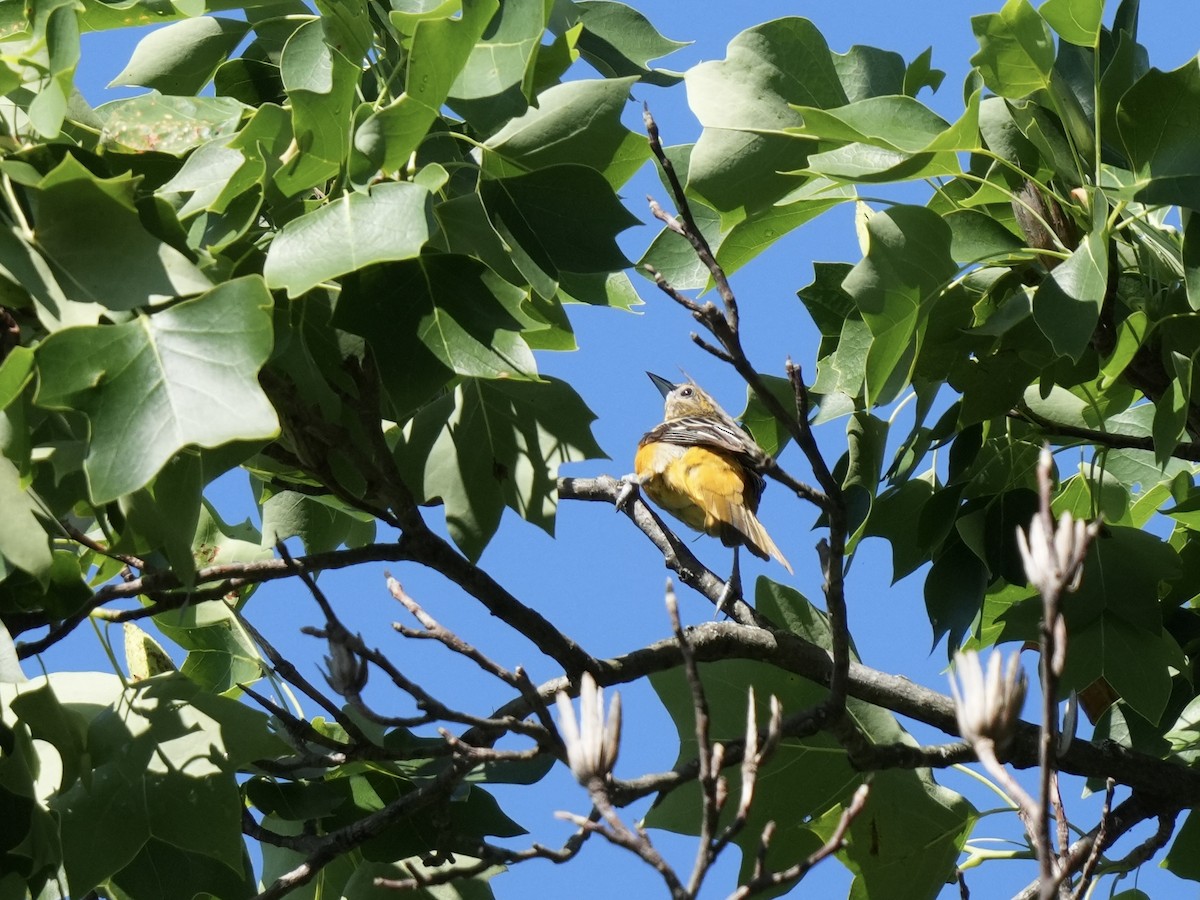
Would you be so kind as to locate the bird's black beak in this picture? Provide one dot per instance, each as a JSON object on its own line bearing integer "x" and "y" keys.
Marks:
{"x": 665, "y": 387}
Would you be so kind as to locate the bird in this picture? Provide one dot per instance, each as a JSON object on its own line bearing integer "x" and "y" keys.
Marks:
{"x": 699, "y": 465}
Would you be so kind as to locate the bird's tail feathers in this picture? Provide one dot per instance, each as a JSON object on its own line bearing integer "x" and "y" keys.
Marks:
{"x": 755, "y": 537}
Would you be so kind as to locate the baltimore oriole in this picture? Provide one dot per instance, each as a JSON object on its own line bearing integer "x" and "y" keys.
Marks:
{"x": 701, "y": 467}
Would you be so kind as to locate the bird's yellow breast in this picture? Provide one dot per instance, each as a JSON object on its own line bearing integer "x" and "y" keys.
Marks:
{"x": 695, "y": 484}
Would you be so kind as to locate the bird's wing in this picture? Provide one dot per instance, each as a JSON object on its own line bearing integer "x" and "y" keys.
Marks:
{"x": 703, "y": 431}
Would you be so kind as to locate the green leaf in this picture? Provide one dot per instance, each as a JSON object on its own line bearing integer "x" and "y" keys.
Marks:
{"x": 434, "y": 317}
{"x": 164, "y": 756}
{"x": 181, "y": 58}
{"x": 321, "y": 523}
{"x": 923, "y": 824}
{"x": 897, "y": 123}
{"x": 977, "y": 237}
{"x": 1066, "y": 305}
{"x": 921, "y": 74}
{"x": 866, "y": 440}
{"x": 163, "y": 870}
{"x": 15, "y": 372}
{"x": 492, "y": 444}
{"x": 186, "y": 375}
{"x": 576, "y": 122}
{"x": 537, "y": 213}
{"x": 152, "y": 123}
{"x": 1171, "y": 410}
{"x": 440, "y": 48}
{"x": 1131, "y": 334}
{"x": 892, "y": 517}
{"x": 906, "y": 267}
{"x": 1076, "y": 21}
{"x": 221, "y": 655}
{"x": 1016, "y": 50}
{"x": 1191, "y": 261}
{"x": 1155, "y": 120}
{"x": 23, "y": 540}
{"x": 1134, "y": 661}
{"x": 89, "y": 230}
{"x": 619, "y": 41}
{"x": 1115, "y": 622}
{"x": 1183, "y": 858}
{"x": 490, "y": 88}
{"x": 869, "y": 72}
{"x": 954, "y": 590}
{"x": 743, "y": 102}
{"x": 320, "y": 83}
{"x": 390, "y": 223}
{"x": 766, "y": 430}
{"x": 57, "y": 23}
{"x": 762, "y": 228}
{"x": 164, "y": 515}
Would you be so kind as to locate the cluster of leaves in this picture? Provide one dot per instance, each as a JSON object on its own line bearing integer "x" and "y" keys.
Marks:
{"x": 333, "y": 272}
{"x": 373, "y": 216}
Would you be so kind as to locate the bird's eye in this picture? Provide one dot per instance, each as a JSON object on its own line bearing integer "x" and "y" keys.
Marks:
{"x": 686, "y": 392}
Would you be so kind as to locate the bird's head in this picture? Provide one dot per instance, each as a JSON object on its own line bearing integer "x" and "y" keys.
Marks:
{"x": 684, "y": 399}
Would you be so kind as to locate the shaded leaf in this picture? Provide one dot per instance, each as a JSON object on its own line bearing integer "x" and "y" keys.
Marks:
{"x": 182, "y": 57}
{"x": 23, "y": 541}
{"x": 907, "y": 265}
{"x": 539, "y": 212}
{"x": 1155, "y": 119}
{"x": 431, "y": 318}
{"x": 576, "y": 122}
{"x": 492, "y": 444}
{"x": 89, "y": 230}
{"x": 1067, "y": 304}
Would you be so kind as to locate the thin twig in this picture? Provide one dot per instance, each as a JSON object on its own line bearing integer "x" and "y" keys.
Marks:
{"x": 793, "y": 874}
{"x": 1093, "y": 857}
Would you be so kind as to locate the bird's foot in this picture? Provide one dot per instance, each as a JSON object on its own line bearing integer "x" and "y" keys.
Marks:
{"x": 629, "y": 487}
{"x": 730, "y": 594}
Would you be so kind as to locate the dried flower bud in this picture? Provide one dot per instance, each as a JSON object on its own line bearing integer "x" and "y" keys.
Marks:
{"x": 987, "y": 707}
{"x": 590, "y": 741}
{"x": 1054, "y": 562}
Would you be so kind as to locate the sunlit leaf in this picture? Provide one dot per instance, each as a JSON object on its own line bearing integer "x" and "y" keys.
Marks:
{"x": 187, "y": 375}
{"x": 355, "y": 231}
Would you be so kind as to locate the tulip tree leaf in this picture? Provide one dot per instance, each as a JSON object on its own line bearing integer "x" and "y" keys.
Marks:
{"x": 492, "y": 444}
{"x": 743, "y": 103}
{"x": 182, "y": 57}
{"x": 150, "y": 387}
{"x": 23, "y": 541}
{"x": 89, "y": 231}
{"x": 355, "y": 231}
{"x": 1156, "y": 119}
{"x": 440, "y": 48}
{"x": 895, "y": 286}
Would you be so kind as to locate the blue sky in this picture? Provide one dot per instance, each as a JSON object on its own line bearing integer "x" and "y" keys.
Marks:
{"x": 599, "y": 579}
